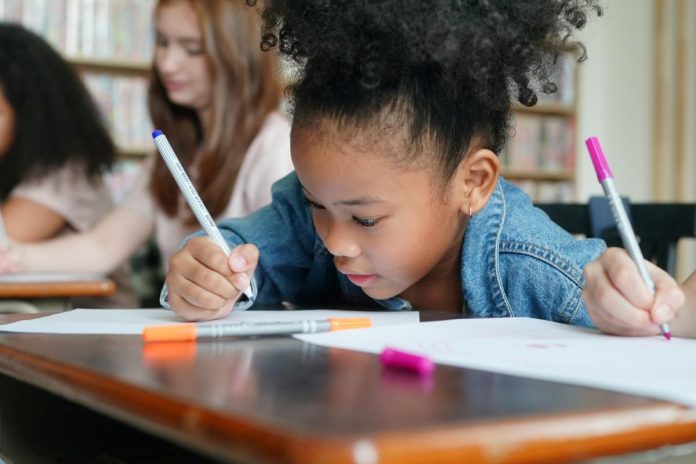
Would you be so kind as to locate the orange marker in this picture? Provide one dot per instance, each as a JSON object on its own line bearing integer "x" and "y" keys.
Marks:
{"x": 189, "y": 332}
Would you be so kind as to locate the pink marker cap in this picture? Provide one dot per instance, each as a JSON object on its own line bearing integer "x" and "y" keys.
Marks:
{"x": 421, "y": 365}
{"x": 598, "y": 160}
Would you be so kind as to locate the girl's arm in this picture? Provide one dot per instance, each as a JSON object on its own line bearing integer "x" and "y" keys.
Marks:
{"x": 100, "y": 250}
{"x": 29, "y": 221}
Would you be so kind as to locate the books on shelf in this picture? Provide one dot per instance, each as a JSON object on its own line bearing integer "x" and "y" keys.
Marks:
{"x": 547, "y": 191}
{"x": 123, "y": 100}
{"x": 102, "y": 38}
{"x": 540, "y": 156}
{"x": 105, "y": 29}
{"x": 540, "y": 143}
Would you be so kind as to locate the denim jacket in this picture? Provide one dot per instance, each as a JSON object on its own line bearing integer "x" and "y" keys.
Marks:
{"x": 514, "y": 260}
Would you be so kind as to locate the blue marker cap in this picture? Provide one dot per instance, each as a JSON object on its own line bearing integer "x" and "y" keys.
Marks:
{"x": 156, "y": 133}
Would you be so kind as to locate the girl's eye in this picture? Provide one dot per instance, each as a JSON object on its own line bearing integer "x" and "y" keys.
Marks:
{"x": 312, "y": 204}
{"x": 366, "y": 222}
{"x": 195, "y": 51}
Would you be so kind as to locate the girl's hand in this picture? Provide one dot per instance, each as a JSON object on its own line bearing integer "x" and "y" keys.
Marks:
{"x": 9, "y": 257}
{"x": 203, "y": 283}
{"x": 619, "y": 301}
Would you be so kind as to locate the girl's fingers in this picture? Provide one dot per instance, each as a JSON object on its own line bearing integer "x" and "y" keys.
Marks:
{"x": 189, "y": 311}
{"x": 193, "y": 294}
{"x": 242, "y": 261}
{"x": 198, "y": 274}
{"x": 206, "y": 251}
{"x": 668, "y": 296}
{"x": 608, "y": 306}
{"x": 610, "y": 323}
{"x": 244, "y": 258}
{"x": 203, "y": 283}
{"x": 204, "y": 264}
{"x": 624, "y": 276}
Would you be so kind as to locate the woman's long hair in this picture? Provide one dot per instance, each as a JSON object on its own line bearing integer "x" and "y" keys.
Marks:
{"x": 246, "y": 88}
{"x": 56, "y": 121}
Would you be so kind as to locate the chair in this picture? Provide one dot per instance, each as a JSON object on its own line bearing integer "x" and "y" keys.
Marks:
{"x": 658, "y": 226}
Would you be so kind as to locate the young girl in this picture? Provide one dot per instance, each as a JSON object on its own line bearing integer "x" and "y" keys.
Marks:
{"x": 216, "y": 96}
{"x": 399, "y": 112}
{"x": 54, "y": 146}
{"x": 619, "y": 302}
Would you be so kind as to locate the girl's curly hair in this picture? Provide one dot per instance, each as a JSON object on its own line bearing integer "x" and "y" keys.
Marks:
{"x": 454, "y": 66}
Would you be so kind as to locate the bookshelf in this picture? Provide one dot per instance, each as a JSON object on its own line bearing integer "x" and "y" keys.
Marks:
{"x": 110, "y": 44}
{"x": 540, "y": 154}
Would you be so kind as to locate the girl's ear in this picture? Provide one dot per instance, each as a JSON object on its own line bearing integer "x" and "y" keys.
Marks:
{"x": 476, "y": 178}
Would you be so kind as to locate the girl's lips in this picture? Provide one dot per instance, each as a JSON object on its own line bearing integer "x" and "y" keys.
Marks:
{"x": 362, "y": 280}
{"x": 174, "y": 86}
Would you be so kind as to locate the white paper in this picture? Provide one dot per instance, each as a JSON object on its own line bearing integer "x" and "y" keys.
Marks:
{"x": 48, "y": 277}
{"x": 133, "y": 321}
{"x": 648, "y": 366}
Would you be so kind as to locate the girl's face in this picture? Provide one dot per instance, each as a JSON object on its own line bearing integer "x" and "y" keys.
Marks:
{"x": 7, "y": 124}
{"x": 180, "y": 58}
{"x": 389, "y": 229}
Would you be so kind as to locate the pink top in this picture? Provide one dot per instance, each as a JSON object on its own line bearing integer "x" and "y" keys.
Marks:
{"x": 266, "y": 160}
{"x": 69, "y": 193}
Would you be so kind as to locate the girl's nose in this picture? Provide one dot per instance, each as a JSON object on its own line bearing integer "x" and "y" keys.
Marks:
{"x": 168, "y": 60}
{"x": 338, "y": 240}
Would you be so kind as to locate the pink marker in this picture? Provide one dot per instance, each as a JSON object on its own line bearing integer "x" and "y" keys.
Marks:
{"x": 421, "y": 365}
{"x": 628, "y": 237}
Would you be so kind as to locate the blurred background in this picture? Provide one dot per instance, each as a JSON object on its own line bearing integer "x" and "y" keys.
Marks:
{"x": 636, "y": 92}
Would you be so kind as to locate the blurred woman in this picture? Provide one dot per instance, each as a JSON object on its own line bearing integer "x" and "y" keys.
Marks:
{"x": 216, "y": 96}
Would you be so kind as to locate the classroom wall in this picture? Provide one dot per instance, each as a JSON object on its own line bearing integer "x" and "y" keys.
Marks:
{"x": 615, "y": 98}
{"x": 616, "y": 92}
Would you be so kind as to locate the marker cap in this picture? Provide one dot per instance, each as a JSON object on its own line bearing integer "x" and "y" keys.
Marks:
{"x": 343, "y": 323}
{"x": 421, "y": 365}
{"x": 170, "y": 333}
{"x": 598, "y": 160}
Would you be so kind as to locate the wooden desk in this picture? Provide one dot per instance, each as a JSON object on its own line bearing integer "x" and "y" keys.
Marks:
{"x": 282, "y": 400}
{"x": 53, "y": 295}
{"x": 98, "y": 288}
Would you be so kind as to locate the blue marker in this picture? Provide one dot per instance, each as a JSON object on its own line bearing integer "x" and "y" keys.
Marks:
{"x": 192, "y": 197}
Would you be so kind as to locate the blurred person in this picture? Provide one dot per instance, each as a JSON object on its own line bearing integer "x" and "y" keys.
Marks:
{"x": 216, "y": 96}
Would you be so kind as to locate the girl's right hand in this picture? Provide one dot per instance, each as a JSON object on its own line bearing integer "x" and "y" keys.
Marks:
{"x": 203, "y": 283}
{"x": 618, "y": 300}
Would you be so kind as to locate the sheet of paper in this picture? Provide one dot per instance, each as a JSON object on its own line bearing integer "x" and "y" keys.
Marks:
{"x": 648, "y": 366}
{"x": 46, "y": 277}
{"x": 133, "y": 321}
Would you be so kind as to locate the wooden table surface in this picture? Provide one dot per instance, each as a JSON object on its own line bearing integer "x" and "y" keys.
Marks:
{"x": 83, "y": 288}
{"x": 278, "y": 399}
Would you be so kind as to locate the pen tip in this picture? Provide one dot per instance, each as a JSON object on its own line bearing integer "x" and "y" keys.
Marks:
{"x": 668, "y": 335}
{"x": 156, "y": 133}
